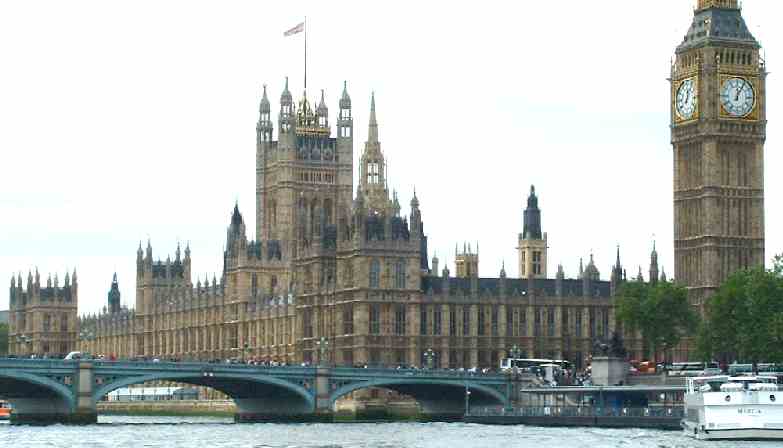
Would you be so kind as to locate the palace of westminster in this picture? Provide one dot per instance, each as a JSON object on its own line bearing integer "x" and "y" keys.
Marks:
{"x": 348, "y": 276}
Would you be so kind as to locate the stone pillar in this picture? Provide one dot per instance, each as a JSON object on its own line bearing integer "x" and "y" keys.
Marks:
{"x": 323, "y": 402}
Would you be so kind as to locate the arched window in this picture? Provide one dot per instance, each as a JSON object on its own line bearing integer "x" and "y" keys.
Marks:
{"x": 328, "y": 212}
{"x": 254, "y": 285}
{"x": 399, "y": 274}
{"x": 375, "y": 273}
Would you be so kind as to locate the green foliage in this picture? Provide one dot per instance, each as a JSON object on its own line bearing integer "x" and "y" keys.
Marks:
{"x": 660, "y": 312}
{"x": 3, "y": 339}
{"x": 744, "y": 319}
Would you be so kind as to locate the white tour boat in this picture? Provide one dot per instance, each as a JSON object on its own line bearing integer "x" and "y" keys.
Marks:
{"x": 733, "y": 407}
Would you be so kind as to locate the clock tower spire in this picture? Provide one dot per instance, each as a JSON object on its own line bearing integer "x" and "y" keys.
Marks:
{"x": 718, "y": 132}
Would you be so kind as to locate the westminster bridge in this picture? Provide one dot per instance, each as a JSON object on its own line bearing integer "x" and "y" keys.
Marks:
{"x": 62, "y": 391}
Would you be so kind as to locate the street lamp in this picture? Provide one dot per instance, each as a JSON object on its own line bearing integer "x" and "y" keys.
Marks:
{"x": 323, "y": 346}
{"x": 429, "y": 357}
{"x": 467, "y": 399}
{"x": 89, "y": 336}
{"x": 514, "y": 354}
{"x": 24, "y": 339}
{"x": 246, "y": 348}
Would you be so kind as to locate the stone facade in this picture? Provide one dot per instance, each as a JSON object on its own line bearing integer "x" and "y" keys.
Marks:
{"x": 346, "y": 279}
{"x": 718, "y": 133}
{"x": 43, "y": 319}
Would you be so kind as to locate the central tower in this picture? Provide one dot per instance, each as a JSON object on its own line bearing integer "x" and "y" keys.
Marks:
{"x": 304, "y": 177}
{"x": 718, "y": 133}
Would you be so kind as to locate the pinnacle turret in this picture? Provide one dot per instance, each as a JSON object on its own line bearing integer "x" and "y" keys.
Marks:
{"x": 372, "y": 135}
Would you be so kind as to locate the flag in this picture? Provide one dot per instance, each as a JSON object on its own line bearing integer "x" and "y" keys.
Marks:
{"x": 297, "y": 29}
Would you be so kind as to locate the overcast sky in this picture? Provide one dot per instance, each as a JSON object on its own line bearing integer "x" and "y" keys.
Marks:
{"x": 122, "y": 121}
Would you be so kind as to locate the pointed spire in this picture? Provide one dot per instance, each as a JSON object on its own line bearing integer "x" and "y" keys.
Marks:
{"x": 73, "y": 277}
{"x": 345, "y": 99}
{"x": 617, "y": 262}
{"x": 372, "y": 136}
{"x": 503, "y": 269}
{"x": 264, "y": 107}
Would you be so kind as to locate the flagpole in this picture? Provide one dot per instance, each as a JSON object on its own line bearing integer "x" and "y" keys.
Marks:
{"x": 305, "y": 53}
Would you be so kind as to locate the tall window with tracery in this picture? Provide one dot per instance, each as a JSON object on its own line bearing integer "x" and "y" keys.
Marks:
{"x": 375, "y": 273}
{"x": 399, "y": 274}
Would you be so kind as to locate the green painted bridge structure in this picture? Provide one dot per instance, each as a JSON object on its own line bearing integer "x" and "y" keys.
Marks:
{"x": 62, "y": 391}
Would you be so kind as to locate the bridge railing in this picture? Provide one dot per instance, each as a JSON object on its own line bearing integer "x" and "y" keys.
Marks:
{"x": 24, "y": 363}
{"x": 580, "y": 411}
{"x": 440, "y": 373}
{"x": 189, "y": 365}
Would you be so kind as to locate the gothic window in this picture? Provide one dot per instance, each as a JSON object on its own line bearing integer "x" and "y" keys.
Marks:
{"x": 437, "y": 318}
{"x": 593, "y": 331}
{"x": 452, "y": 321}
{"x": 254, "y": 285}
{"x": 399, "y": 274}
{"x": 307, "y": 318}
{"x": 537, "y": 322}
{"x": 550, "y": 321}
{"x": 523, "y": 266}
{"x": 423, "y": 320}
{"x": 523, "y": 321}
{"x": 272, "y": 284}
{"x": 510, "y": 322}
{"x": 328, "y": 212}
{"x": 481, "y": 324}
{"x": 47, "y": 323}
{"x": 375, "y": 319}
{"x": 536, "y": 262}
{"x": 348, "y": 318}
{"x": 308, "y": 279}
{"x": 373, "y": 173}
{"x": 494, "y": 321}
{"x": 375, "y": 273}
{"x": 564, "y": 320}
{"x": 465, "y": 321}
{"x": 605, "y": 323}
{"x": 399, "y": 320}
{"x": 348, "y": 273}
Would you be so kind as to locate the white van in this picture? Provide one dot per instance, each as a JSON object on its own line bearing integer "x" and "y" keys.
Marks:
{"x": 76, "y": 355}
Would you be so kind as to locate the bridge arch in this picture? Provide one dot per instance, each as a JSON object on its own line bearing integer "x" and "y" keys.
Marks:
{"x": 436, "y": 396}
{"x": 255, "y": 395}
{"x": 31, "y": 394}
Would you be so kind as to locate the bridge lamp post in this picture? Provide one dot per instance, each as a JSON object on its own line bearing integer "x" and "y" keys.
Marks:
{"x": 89, "y": 336}
{"x": 467, "y": 399}
{"x": 514, "y": 353}
{"x": 323, "y": 346}
{"x": 24, "y": 339}
{"x": 429, "y": 357}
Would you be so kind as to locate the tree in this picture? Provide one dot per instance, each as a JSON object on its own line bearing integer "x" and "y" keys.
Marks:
{"x": 3, "y": 339}
{"x": 744, "y": 319}
{"x": 660, "y": 312}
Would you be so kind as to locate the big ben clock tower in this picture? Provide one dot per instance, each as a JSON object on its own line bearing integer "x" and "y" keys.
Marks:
{"x": 718, "y": 133}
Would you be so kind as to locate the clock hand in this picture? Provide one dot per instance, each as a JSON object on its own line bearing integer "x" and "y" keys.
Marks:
{"x": 739, "y": 91}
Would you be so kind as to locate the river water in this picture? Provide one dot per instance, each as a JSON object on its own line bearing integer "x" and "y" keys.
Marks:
{"x": 209, "y": 432}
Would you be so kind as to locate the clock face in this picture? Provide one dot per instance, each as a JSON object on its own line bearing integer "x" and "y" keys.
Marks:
{"x": 686, "y": 99}
{"x": 737, "y": 97}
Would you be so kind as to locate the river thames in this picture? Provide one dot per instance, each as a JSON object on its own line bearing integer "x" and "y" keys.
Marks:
{"x": 208, "y": 432}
